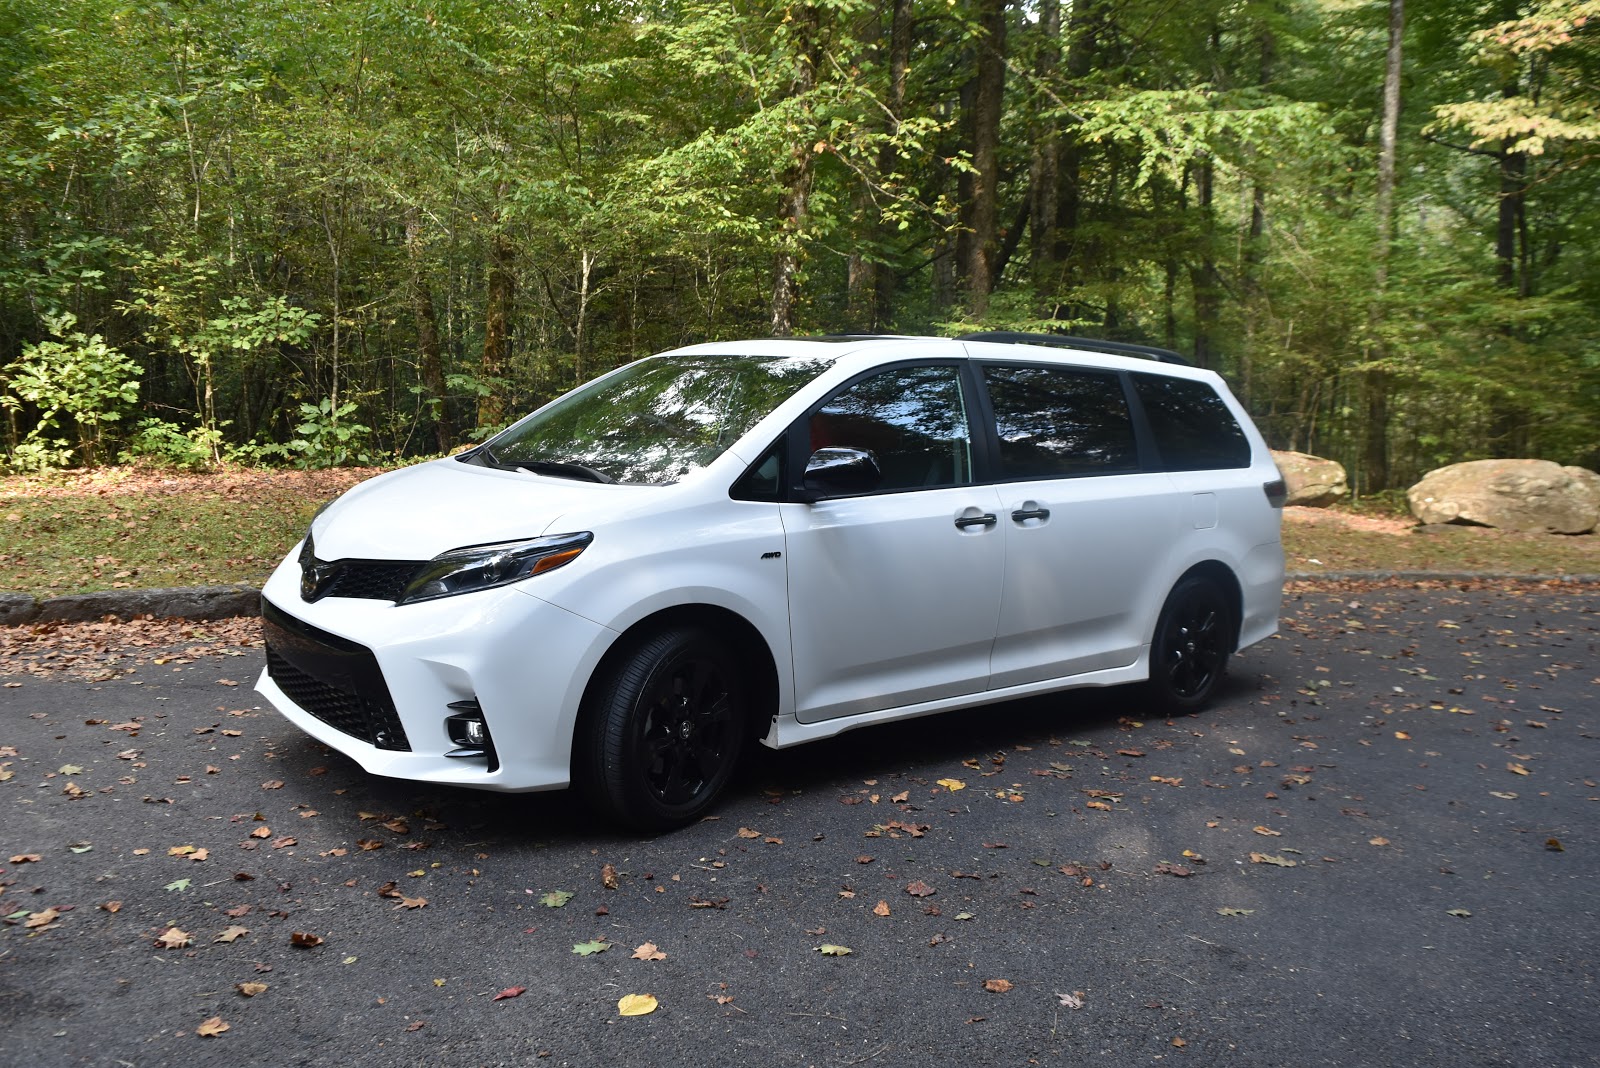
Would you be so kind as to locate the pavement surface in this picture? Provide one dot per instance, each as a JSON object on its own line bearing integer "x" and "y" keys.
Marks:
{"x": 1380, "y": 847}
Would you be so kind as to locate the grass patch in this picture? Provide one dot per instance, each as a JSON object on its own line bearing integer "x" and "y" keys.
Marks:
{"x": 130, "y": 528}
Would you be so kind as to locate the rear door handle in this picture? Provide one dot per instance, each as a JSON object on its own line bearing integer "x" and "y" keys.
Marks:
{"x": 1022, "y": 515}
{"x": 985, "y": 520}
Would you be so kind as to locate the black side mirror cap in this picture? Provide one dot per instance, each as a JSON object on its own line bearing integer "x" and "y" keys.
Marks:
{"x": 834, "y": 472}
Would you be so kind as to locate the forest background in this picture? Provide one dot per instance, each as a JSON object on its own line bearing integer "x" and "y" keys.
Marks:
{"x": 318, "y": 233}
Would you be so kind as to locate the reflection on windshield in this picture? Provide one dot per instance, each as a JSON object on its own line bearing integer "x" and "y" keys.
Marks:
{"x": 656, "y": 421}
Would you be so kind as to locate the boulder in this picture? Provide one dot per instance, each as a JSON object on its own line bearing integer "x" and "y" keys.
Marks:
{"x": 1312, "y": 480}
{"x": 1527, "y": 495}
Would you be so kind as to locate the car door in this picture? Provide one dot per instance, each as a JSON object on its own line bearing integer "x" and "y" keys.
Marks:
{"x": 893, "y": 593}
{"x": 1086, "y": 528}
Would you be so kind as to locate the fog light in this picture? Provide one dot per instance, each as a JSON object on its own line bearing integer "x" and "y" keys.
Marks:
{"x": 469, "y": 732}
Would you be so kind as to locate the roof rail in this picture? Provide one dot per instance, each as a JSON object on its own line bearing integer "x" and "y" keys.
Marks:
{"x": 1065, "y": 341}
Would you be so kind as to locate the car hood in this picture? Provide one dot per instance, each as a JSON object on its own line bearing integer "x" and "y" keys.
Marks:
{"x": 417, "y": 513}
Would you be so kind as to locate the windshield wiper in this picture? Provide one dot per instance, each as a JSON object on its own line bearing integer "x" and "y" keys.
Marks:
{"x": 566, "y": 470}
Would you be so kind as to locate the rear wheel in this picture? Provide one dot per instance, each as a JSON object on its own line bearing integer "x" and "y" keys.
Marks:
{"x": 1192, "y": 641}
{"x": 665, "y": 729}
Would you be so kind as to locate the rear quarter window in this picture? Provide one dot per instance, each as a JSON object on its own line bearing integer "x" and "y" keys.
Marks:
{"x": 1055, "y": 422}
{"x": 1193, "y": 428}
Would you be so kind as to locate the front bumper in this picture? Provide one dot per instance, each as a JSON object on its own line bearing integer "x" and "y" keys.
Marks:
{"x": 375, "y": 680}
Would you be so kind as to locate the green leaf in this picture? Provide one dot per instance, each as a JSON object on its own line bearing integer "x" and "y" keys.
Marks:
{"x": 589, "y": 949}
{"x": 1235, "y": 912}
{"x": 1461, "y": 913}
{"x": 177, "y": 884}
{"x": 556, "y": 899}
{"x": 830, "y": 950}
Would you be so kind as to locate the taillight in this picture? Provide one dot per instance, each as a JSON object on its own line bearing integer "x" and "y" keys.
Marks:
{"x": 1277, "y": 492}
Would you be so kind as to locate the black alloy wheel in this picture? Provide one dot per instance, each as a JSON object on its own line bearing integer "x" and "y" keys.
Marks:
{"x": 666, "y": 730}
{"x": 1192, "y": 641}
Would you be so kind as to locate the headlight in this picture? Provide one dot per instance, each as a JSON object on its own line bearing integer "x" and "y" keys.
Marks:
{"x": 482, "y": 567}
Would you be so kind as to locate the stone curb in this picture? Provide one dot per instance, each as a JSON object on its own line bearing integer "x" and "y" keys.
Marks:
{"x": 223, "y": 602}
{"x": 184, "y": 602}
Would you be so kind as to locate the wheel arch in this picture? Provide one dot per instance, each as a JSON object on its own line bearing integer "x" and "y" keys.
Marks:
{"x": 1221, "y": 574}
{"x": 748, "y": 645}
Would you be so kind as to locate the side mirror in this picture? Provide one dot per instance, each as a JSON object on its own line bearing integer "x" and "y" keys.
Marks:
{"x": 839, "y": 471}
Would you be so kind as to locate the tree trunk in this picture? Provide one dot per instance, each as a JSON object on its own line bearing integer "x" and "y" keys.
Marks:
{"x": 888, "y": 155}
{"x": 1375, "y": 449}
{"x": 990, "y": 74}
{"x": 1044, "y": 168}
{"x": 502, "y": 294}
{"x": 796, "y": 203}
{"x": 430, "y": 362}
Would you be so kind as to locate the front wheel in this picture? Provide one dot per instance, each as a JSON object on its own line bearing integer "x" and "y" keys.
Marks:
{"x": 664, "y": 730}
{"x": 1192, "y": 641}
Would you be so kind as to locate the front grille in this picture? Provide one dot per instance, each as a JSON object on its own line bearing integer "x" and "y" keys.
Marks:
{"x": 336, "y": 680}
{"x": 378, "y": 580}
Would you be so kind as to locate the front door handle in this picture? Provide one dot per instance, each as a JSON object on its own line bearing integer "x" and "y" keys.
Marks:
{"x": 985, "y": 520}
{"x": 1022, "y": 515}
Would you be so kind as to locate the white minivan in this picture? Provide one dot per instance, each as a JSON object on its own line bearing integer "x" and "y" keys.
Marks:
{"x": 782, "y": 540}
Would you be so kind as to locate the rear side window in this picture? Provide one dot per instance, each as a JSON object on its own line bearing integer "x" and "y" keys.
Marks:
{"x": 1194, "y": 430}
{"x": 1058, "y": 422}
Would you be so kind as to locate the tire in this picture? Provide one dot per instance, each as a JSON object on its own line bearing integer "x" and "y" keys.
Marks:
{"x": 1189, "y": 652}
{"x": 665, "y": 728}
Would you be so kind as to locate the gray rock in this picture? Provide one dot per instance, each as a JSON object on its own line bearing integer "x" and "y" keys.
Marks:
{"x": 1312, "y": 481}
{"x": 197, "y": 602}
{"x": 17, "y": 608}
{"x": 1526, "y": 495}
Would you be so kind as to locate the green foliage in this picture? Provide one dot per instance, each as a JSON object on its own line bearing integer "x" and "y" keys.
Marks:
{"x": 78, "y": 378}
{"x": 327, "y": 438}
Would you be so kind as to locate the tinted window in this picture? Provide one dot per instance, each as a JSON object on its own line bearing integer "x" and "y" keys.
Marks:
{"x": 654, "y": 421}
{"x": 913, "y": 419}
{"x": 1194, "y": 429}
{"x": 1055, "y": 422}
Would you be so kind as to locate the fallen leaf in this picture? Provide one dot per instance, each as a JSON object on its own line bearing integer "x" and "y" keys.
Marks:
{"x": 708, "y": 903}
{"x": 1516, "y": 769}
{"x": 173, "y": 938}
{"x": 1235, "y": 912}
{"x": 43, "y": 918}
{"x": 1462, "y": 913}
{"x": 1166, "y": 868}
{"x": 112, "y": 906}
{"x": 829, "y": 950}
{"x": 636, "y": 1005}
{"x": 1268, "y": 831}
{"x": 232, "y": 934}
{"x": 920, "y": 889}
{"x": 177, "y": 884}
{"x": 1503, "y": 795}
{"x": 25, "y": 858}
{"x": 997, "y": 986}
{"x": 510, "y": 992}
{"x": 1073, "y": 1000}
{"x": 211, "y": 1028}
{"x": 746, "y": 832}
{"x": 881, "y": 909}
{"x": 1378, "y": 841}
{"x": 648, "y": 951}
{"x": 1554, "y": 845}
{"x": 304, "y": 940}
{"x": 608, "y": 877}
{"x": 262, "y": 831}
{"x": 589, "y": 949}
{"x": 412, "y": 903}
{"x": 250, "y": 990}
{"x": 1269, "y": 858}
{"x": 952, "y": 784}
{"x": 556, "y": 899}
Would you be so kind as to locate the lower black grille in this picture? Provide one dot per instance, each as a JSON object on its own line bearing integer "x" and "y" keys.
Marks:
{"x": 336, "y": 680}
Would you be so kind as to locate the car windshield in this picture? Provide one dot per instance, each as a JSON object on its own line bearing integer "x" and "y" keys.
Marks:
{"x": 653, "y": 422}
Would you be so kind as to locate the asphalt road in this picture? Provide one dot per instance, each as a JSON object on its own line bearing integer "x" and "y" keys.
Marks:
{"x": 1379, "y": 848}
